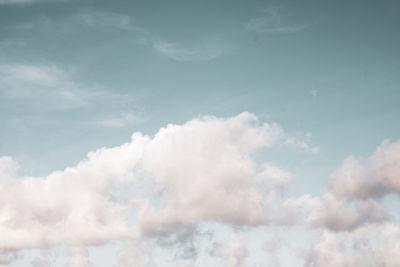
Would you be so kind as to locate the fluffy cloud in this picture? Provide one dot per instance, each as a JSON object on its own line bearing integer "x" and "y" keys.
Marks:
{"x": 186, "y": 174}
{"x": 335, "y": 213}
{"x": 354, "y": 192}
{"x": 207, "y": 173}
{"x": 235, "y": 253}
{"x": 368, "y": 246}
{"x": 202, "y": 171}
{"x": 379, "y": 175}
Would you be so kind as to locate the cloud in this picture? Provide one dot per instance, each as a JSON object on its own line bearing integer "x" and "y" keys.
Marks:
{"x": 314, "y": 92}
{"x": 335, "y": 213}
{"x": 120, "y": 121}
{"x": 329, "y": 251}
{"x": 93, "y": 18}
{"x": 24, "y": 2}
{"x": 178, "y": 52}
{"x": 6, "y": 257}
{"x": 235, "y": 253}
{"x": 90, "y": 20}
{"x": 83, "y": 19}
{"x": 185, "y": 175}
{"x": 37, "y": 262}
{"x": 15, "y": 2}
{"x": 368, "y": 246}
{"x": 40, "y": 88}
{"x": 78, "y": 257}
{"x": 273, "y": 21}
{"x": 355, "y": 189}
{"x": 275, "y": 175}
{"x": 206, "y": 172}
{"x": 378, "y": 176}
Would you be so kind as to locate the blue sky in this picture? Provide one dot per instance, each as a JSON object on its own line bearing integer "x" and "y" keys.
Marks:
{"x": 287, "y": 102}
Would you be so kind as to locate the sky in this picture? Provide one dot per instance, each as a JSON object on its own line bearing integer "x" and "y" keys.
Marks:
{"x": 183, "y": 133}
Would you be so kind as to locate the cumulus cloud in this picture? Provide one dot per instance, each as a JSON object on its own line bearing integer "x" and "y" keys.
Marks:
{"x": 377, "y": 176}
{"x": 186, "y": 174}
{"x": 202, "y": 171}
{"x": 335, "y": 213}
{"x": 354, "y": 193}
{"x": 207, "y": 173}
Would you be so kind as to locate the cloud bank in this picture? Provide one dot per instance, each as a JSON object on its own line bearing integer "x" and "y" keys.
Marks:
{"x": 156, "y": 191}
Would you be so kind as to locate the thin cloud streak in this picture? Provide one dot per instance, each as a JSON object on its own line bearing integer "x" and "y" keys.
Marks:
{"x": 273, "y": 21}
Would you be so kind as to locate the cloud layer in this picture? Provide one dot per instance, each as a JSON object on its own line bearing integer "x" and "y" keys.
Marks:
{"x": 158, "y": 190}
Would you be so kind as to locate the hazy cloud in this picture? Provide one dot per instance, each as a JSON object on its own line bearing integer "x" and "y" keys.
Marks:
{"x": 179, "y": 52}
{"x": 272, "y": 21}
{"x": 377, "y": 246}
{"x": 235, "y": 253}
{"x": 47, "y": 87}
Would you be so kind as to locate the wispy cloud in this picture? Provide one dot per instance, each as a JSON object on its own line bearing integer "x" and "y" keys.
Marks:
{"x": 178, "y": 52}
{"x": 40, "y": 88}
{"x": 201, "y": 50}
{"x": 94, "y": 18}
{"x": 272, "y": 21}
{"x": 119, "y": 120}
{"x": 82, "y": 19}
{"x": 22, "y": 2}
{"x": 314, "y": 92}
{"x": 15, "y": 2}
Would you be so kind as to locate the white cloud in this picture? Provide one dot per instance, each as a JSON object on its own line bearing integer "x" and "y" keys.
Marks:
{"x": 186, "y": 174}
{"x": 368, "y": 246}
{"x": 206, "y": 172}
{"x": 235, "y": 253}
{"x": 354, "y": 194}
{"x": 38, "y": 262}
{"x": 6, "y": 257}
{"x": 378, "y": 176}
{"x": 78, "y": 257}
{"x": 302, "y": 144}
{"x": 329, "y": 251}
{"x": 275, "y": 175}
{"x": 388, "y": 253}
{"x": 335, "y": 213}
